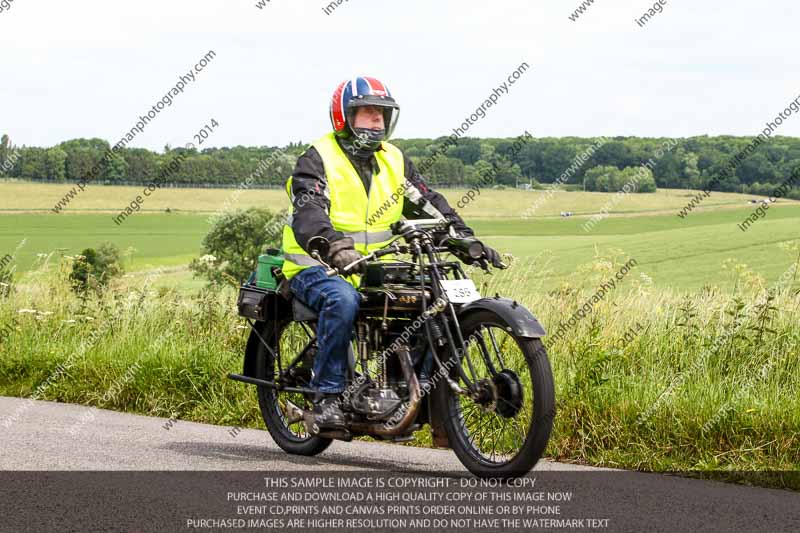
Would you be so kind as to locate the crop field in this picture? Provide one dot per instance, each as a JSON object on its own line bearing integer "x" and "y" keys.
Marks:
{"x": 37, "y": 197}
{"x": 675, "y": 253}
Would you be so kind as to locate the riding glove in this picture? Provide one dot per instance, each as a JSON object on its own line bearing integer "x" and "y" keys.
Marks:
{"x": 342, "y": 253}
{"x": 493, "y": 256}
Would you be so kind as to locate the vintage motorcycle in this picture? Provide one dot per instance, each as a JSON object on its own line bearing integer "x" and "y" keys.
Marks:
{"x": 489, "y": 394}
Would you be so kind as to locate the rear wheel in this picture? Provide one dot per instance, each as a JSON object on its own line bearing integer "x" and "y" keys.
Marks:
{"x": 501, "y": 429}
{"x": 280, "y": 410}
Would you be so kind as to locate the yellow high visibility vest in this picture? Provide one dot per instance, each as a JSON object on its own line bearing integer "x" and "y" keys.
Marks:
{"x": 363, "y": 215}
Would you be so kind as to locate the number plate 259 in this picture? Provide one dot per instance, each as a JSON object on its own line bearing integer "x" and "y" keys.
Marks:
{"x": 460, "y": 291}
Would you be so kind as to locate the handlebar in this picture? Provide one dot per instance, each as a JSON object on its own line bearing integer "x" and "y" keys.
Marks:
{"x": 469, "y": 246}
{"x": 402, "y": 226}
{"x": 468, "y": 249}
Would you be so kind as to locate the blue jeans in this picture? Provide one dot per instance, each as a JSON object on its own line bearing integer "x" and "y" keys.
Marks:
{"x": 337, "y": 303}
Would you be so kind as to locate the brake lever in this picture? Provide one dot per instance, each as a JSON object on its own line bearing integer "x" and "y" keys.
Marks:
{"x": 331, "y": 270}
{"x": 503, "y": 265}
{"x": 315, "y": 255}
{"x": 349, "y": 267}
{"x": 345, "y": 271}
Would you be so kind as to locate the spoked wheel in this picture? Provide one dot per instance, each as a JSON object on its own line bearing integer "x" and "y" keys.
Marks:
{"x": 501, "y": 428}
{"x": 282, "y": 411}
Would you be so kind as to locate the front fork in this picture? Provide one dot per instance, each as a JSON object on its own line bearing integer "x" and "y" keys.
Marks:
{"x": 438, "y": 330}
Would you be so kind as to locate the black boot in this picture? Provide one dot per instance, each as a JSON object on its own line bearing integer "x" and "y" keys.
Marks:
{"x": 328, "y": 412}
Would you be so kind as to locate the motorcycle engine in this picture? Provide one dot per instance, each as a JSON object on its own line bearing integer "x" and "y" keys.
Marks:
{"x": 375, "y": 403}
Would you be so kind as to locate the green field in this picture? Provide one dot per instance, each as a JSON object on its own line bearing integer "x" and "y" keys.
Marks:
{"x": 673, "y": 252}
{"x": 696, "y": 280}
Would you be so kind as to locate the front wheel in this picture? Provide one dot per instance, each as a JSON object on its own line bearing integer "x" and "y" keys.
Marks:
{"x": 500, "y": 428}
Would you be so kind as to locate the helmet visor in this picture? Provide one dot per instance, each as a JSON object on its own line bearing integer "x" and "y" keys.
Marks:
{"x": 391, "y": 111}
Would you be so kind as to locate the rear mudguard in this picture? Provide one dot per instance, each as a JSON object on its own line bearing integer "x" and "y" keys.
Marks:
{"x": 253, "y": 367}
{"x": 519, "y": 319}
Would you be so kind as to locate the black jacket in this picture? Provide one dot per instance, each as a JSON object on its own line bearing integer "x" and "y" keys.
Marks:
{"x": 310, "y": 206}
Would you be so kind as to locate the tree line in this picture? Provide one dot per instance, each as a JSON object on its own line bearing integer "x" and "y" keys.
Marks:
{"x": 692, "y": 164}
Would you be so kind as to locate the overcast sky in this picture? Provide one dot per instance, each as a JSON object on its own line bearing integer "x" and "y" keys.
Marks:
{"x": 90, "y": 68}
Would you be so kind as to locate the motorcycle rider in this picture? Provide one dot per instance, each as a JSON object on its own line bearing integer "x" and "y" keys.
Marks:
{"x": 342, "y": 189}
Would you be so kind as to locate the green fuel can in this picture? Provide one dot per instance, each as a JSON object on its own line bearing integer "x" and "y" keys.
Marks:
{"x": 269, "y": 267}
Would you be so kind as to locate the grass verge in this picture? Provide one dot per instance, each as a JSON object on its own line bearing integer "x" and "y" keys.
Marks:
{"x": 649, "y": 379}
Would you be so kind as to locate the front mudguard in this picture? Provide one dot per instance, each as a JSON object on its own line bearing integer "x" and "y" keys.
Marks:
{"x": 519, "y": 319}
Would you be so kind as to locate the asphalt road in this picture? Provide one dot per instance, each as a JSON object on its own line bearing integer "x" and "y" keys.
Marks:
{"x": 58, "y": 436}
{"x": 42, "y": 437}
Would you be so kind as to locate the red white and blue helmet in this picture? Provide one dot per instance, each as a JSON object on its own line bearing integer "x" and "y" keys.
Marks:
{"x": 358, "y": 92}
